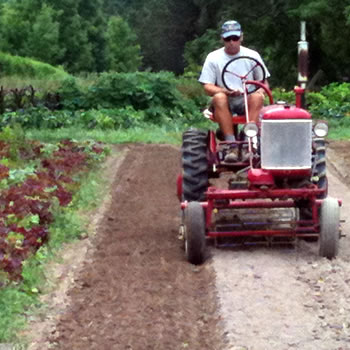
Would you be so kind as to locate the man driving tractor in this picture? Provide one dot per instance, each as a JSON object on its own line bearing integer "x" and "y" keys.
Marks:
{"x": 226, "y": 102}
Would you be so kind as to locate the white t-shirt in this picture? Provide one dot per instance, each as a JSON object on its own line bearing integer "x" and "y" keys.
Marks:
{"x": 216, "y": 61}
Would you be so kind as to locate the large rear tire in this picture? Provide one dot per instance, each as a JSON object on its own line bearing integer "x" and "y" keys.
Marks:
{"x": 319, "y": 172}
{"x": 195, "y": 244}
{"x": 329, "y": 228}
{"x": 194, "y": 164}
{"x": 319, "y": 166}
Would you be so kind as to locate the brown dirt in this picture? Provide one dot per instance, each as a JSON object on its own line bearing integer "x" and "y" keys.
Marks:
{"x": 135, "y": 290}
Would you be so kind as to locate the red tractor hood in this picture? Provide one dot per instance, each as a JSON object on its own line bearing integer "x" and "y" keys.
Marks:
{"x": 284, "y": 112}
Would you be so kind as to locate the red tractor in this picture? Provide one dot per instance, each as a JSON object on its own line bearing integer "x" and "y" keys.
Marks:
{"x": 281, "y": 168}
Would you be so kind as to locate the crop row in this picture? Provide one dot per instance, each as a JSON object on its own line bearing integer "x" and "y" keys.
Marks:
{"x": 35, "y": 180}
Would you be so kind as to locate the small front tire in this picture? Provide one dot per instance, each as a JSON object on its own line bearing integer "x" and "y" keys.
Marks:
{"x": 195, "y": 243}
{"x": 329, "y": 228}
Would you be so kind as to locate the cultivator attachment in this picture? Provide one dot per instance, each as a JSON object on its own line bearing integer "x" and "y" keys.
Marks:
{"x": 262, "y": 216}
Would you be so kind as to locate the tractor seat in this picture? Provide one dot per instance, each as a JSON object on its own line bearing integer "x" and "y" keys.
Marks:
{"x": 236, "y": 119}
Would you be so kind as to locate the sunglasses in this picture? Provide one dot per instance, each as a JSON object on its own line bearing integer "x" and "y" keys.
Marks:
{"x": 232, "y": 38}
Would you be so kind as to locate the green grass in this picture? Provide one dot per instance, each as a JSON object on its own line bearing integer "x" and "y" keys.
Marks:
{"x": 13, "y": 304}
{"x": 44, "y": 84}
{"x": 339, "y": 134}
{"x": 339, "y": 129}
{"x": 150, "y": 135}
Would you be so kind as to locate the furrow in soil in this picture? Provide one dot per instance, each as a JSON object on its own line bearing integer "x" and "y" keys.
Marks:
{"x": 136, "y": 291}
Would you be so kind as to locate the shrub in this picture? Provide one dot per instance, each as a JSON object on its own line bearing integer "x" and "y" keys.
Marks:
{"x": 333, "y": 101}
{"x": 283, "y": 95}
{"x": 154, "y": 94}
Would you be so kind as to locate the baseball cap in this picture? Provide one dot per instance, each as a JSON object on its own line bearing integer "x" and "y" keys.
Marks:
{"x": 230, "y": 28}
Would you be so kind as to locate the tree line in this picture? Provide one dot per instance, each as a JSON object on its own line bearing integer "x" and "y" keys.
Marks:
{"x": 176, "y": 35}
{"x": 77, "y": 34}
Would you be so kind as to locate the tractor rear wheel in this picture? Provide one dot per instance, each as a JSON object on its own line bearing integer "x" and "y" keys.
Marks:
{"x": 194, "y": 164}
{"x": 195, "y": 245}
{"x": 319, "y": 166}
{"x": 319, "y": 172}
{"x": 329, "y": 228}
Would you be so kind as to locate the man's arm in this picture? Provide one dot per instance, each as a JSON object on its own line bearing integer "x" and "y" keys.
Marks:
{"x": 212, "y": 89}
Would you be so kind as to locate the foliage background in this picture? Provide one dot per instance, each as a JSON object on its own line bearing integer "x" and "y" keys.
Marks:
{"x": 120, "y": 35}
{"x": 120, "y": 64}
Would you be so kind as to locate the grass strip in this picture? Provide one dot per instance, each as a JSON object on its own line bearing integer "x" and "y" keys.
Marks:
{"x": 150, "y": 135}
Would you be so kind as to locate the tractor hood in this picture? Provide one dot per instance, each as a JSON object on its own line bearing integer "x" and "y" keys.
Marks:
{"x": 277, "y": 111}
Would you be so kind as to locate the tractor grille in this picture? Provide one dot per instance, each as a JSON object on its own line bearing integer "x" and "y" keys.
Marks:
{"x": 286, "y": 144}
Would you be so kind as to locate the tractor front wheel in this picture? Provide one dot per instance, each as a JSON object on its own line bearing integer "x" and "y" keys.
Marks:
{"x": 195, "y": 244}
{"x": 329, "y": 228}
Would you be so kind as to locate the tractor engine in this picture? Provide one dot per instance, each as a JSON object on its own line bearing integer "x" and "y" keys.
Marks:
{"x": 289, "y": 149}
{"x": 286, "y": 138}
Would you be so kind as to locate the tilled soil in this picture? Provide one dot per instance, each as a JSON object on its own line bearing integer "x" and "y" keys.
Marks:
{"x": 136, "y": 291}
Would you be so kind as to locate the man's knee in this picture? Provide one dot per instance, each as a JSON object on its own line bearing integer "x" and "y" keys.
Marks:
{"x": 256, "y": 99}
{"x": 220, "y": 100}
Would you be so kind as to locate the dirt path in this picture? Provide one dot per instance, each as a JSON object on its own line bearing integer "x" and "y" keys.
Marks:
{"x": 289, "y": 298}
{"x": 136, "y": 291}
{"x": 286, "y": 298}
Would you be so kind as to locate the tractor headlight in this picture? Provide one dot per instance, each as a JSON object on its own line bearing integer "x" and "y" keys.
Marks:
{"x": 321, "y": 129}
{"x": 250, "y": 130}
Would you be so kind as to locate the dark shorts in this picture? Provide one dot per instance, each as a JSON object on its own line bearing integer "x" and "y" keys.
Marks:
{"x": 237, "y": 105}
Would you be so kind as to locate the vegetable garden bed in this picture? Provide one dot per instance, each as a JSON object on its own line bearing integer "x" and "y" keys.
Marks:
{"x": 36, "y": 180}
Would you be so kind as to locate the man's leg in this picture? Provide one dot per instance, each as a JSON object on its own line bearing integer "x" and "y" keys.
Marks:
{"x": 255, "y": 103}
{"x": 222, "y": 114}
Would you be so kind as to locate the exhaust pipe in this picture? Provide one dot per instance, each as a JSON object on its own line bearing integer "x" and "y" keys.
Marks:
{"x": 303, "y": 57}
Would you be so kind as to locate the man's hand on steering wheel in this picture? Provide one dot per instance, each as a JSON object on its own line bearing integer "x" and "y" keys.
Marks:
{"x": 234, "y": 92}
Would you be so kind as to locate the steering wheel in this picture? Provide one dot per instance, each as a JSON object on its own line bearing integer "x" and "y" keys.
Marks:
{"x": 255, "y": 68}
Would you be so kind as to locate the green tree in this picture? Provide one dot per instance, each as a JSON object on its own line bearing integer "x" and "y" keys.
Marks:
{"x": 95, "y": 22}
{"x": 151, "y": 21}
{"x": 74, "y": 36}
{"x": 197, "y": 50}
{"x": 14, "y": 29}
{"x": 162, "y": 26}
{"x": 30, "y": 28}
{"x": 123, "y": 51}
{"x": 43, "y": 39}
